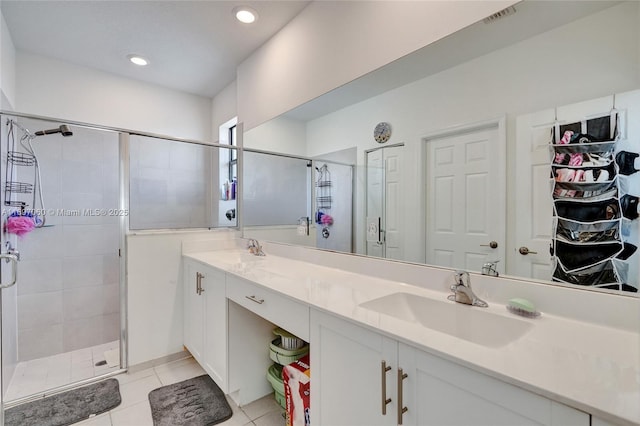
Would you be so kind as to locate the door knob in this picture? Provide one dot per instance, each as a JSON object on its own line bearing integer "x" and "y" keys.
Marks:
{"x": 525, "y": 251}
{"x": 492, "y": 244}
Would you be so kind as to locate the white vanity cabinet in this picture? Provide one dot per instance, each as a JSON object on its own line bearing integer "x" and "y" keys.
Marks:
{"x": 439, "y": 392}
{"x": 205, "y": 318}
{"x": 351, "y": 385}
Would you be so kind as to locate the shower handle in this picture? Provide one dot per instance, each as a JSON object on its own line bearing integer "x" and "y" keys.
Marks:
{"x": 14, "y": 268}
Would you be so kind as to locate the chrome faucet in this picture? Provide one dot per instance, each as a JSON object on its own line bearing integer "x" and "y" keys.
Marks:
{"x": 254, "y": 247}
{"x": 490, "y": 268}
{"x": 462, "y": 292}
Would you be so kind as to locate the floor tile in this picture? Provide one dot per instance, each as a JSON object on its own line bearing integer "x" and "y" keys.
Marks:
{"x": 101, "y": 420}
{"x": 274, "y": 418}
{"x": 180, "y": 370}
{"x": 261, "y": 407}
{"x": 138, "y": 391}
{"x": 239, "y": 418}
{"x": 134, "y": 415}
{"x": 132, "y": 377}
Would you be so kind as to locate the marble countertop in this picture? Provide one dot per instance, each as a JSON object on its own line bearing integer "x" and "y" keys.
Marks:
{"x": 592, "y": 368}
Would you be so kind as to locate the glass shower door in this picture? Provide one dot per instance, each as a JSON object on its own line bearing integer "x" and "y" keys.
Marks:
{"x": 65, "y": 324}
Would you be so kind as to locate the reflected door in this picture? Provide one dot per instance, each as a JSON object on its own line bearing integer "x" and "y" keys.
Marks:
{"x": 384, "y": 202}
{"x": 465, "y": 214}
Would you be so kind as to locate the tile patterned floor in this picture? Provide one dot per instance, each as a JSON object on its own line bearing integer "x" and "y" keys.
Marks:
{"x": 42, "y": 374}
{"x": 135, "y": 410}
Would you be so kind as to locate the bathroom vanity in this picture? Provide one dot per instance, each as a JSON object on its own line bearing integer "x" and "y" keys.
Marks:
{"x": 387, "y": 352}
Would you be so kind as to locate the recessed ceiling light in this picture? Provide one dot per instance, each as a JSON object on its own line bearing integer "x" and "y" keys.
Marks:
{"x": 138, "y": 60}
{"x": 246, "y": 15}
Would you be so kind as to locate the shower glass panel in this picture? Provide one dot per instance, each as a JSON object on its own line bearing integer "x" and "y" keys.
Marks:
{"x": 277, "y": 198}
{"x": 65, "y": 323}
{"x": 177, "y": 185}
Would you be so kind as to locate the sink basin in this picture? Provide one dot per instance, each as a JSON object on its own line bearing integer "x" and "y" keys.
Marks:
{"x": 462, "y": 321}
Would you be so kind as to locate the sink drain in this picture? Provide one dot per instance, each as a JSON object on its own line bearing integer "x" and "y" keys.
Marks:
{"x": 99, "y": 363}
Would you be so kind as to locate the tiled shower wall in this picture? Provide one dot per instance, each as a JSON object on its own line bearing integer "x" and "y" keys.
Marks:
{"x": 68, "y": 287}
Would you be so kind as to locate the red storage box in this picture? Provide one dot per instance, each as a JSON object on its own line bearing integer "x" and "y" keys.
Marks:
{"x": 297, "y": 388}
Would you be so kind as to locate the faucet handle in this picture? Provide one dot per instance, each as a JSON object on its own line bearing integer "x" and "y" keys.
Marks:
{"x": 459, "y": 277}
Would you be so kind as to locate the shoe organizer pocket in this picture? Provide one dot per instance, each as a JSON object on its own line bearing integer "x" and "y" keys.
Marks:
{"x": 588, "y": 211}
{"x": 586, "y": 191}
{"x": 578, "y": 256}
{"x": 578, "y": 232}
{"x": 610, "y": 272}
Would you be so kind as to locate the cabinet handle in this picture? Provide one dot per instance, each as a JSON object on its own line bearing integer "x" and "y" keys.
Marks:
{"x": 385, "y": 400}
{"x": 401, "y": 408}
{"x": 199, "y": 278}
{"x": 255, "y": 299}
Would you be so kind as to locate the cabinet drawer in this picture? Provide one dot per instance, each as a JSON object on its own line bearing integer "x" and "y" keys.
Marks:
{"x": 280, "y": 310}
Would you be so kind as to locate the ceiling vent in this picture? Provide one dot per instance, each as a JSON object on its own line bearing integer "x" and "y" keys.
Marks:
{"x": 499, "y": 15}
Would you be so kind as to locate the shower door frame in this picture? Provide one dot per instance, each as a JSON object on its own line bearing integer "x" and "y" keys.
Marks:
{"x": 123, "y": 205}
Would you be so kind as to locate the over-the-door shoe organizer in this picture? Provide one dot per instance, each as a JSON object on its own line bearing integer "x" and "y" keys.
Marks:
{"x": 592, "y": 208}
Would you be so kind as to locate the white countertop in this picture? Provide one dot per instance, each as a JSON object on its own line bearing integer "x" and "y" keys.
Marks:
{"x": 592, "y": 368}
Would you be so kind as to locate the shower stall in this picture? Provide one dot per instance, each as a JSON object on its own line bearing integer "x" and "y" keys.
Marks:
{"x": 61, "y": 323}
{"x": 70, "y": 193}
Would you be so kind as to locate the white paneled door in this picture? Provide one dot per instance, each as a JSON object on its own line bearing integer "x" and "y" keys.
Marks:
{"x": 534, "y": 205}
{"x": 465, "y": 198}
{"x": 384, "y": 202}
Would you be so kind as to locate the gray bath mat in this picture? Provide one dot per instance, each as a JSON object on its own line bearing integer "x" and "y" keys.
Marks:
{"x": 66, "y": 408}
{"x": 194, "y": 402}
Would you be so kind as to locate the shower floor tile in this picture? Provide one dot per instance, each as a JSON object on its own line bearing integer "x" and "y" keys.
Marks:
{"x": 38, "y": 375}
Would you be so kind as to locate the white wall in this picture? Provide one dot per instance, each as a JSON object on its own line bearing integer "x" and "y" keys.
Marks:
{"x": 7, "y": 66}
{"x": 224, "y": 106}
{"x": 282, "y": 134}
{"x": 331, "y": 43}
{"x": 554, "y": 68}
{"x": 155, "y": 302}
{"x": 52, "y": 88}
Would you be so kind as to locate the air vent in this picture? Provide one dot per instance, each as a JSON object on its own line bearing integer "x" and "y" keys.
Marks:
{"x": 499, "y": 15}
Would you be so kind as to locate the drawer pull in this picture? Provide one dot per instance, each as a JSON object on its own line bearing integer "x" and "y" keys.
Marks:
{"x": 385, "y": 400}
{"x": 255, "y": 299}
{"x": 401, "y": 409}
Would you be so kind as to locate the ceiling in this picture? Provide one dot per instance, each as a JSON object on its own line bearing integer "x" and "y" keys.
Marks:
{"x": 192, "y": 46}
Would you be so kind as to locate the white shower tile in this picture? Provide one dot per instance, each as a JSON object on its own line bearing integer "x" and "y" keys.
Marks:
{"x": 39, "y": 342}
{"x": 42, "y": 243}
{"x": 40, "y": 309}
{"x": 111, "y": 327}
{"x": 153, "y": 153}
{"x": 110, "y": 269}
{"x": 85, "y": 150}
{"x": 40, "y": 276}
{"x": 82, "y": 302}
{"x": 111, "y": 299}
{"x": 83, "y": 271}
{"x": 83, "y": 240}
{"x": 78, "y": 357}
{"x": 84, "y": 204}
{"x": 110, "y": 238}
{"x": 82, "y": 333}
{"x": 80, "y": 176}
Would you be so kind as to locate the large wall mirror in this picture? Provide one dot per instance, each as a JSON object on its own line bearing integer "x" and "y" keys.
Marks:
{"x": 473, "y": 170}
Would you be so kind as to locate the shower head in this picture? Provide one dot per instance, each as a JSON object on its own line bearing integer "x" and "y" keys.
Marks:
{"x": 64, "y": 129}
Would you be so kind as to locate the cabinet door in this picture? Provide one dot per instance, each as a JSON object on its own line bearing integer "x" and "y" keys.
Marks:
{"x": 439, "y": 392}
{"x": 193, "y": 311}
{"x": 346, "y": 380}
{"x": 215, "y": 326}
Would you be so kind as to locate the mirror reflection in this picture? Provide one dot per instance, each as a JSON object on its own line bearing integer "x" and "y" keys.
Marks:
{"x": 454, "y": 147}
